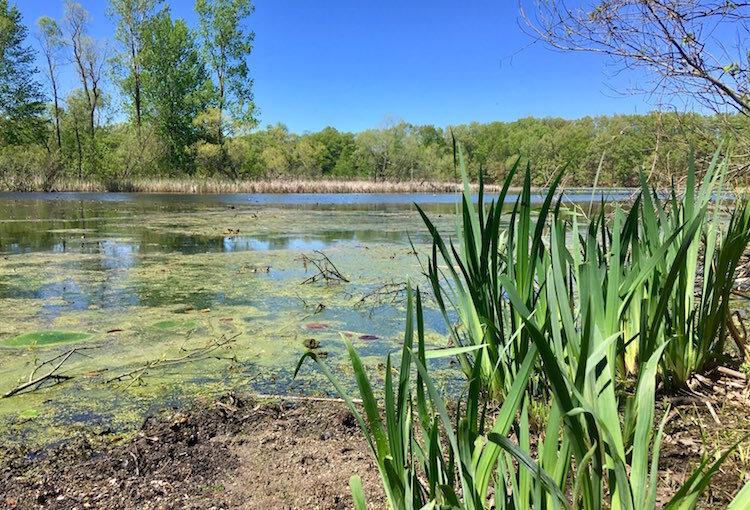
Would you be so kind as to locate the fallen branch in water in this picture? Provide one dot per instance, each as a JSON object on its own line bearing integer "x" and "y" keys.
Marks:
{"x": 327, "y": 271}
{"x": 389, "y": 293}
{"x": 52, "y": 374}
{"x": 299, "y": 398}
{"x": 385, "y": 293}
{"x": 199, "y": 354}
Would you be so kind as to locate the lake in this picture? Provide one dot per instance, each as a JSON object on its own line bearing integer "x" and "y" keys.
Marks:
{"x": 177, "y": 297}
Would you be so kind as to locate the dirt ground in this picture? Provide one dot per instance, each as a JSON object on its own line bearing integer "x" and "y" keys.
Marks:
{"x": 249, "y": 454}
{"x": 231, "y": 454}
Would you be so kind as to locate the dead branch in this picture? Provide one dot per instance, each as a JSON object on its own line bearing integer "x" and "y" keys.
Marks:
{"x": 326, "y": 270}
{"x": 52, "y": 374}
{"x": 199, "y": 354}
{"x": 739, "y": 337}
{"x": 691, "y": 48}
{"x": 390, "y": 292}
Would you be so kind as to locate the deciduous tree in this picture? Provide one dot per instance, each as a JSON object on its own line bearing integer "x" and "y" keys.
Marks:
{"x": 132, "y": 18}
{"x": 21, "y": 98}
{"x": 89, "y": 58}
{"x": 227, "y": 44}
{"x": 50, "y": 39}
{"x": 175, "y": 85}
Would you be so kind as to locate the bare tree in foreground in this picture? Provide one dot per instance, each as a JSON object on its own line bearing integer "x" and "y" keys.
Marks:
{"x": 694, "y": 49}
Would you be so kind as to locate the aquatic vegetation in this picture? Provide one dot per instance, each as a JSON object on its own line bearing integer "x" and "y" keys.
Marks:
{"x": 45, "y": 338}
{"x": 170, "y": 325}
{"x": 143, "y": 263}
{"x": 699, "y": 268}
{"x": 659, "y": 276}
{"x": 291, "y": 185}
{"x": 484, "y": 253}
{"x": 584, "y": 459}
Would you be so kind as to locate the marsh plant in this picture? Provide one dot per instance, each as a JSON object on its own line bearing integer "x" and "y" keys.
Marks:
{"x": 656, "y": 276}
{"x": 554, "y": 313}
{"x": 586, "y": 456}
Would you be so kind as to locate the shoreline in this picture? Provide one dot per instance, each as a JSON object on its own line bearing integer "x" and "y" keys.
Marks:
{"x": 217, "y": 187}
{"x": 241, "y": 451}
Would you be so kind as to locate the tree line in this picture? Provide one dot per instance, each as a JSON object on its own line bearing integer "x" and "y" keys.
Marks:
{"x": 185, "y": 90}
{"x": 189, "y": 111}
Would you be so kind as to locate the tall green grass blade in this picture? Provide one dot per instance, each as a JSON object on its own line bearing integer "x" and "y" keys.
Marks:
{"x": 358, "y": 493}
{"x": 525, "y": 461}
{"x": 742, "y": 500}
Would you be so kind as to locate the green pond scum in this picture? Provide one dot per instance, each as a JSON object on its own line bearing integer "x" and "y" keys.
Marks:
{"x": 45, "y": 338}
{"x": 155, "y": 304}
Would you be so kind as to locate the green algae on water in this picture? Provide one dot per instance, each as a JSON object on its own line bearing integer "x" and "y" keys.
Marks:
{"x": 44, "y": 338}
{"x": 170, "y": 325}
{"x": 169, "y": 280}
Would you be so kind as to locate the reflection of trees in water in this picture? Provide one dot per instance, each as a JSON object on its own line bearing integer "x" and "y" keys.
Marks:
{"x": 122, "y": 236}
{"x": 95, "y": 281}
{"x": 61, "y": 226}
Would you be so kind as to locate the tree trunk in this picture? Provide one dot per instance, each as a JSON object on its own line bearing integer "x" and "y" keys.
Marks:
{"x": 57, "y": 103}
{"x": 80, "y": 153}
{"x": 137, "y": 91}
{"x": 57, "y": 119}
{"x": 220, "y": 137}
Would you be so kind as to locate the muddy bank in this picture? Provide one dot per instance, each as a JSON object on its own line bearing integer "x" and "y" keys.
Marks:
{"x": 230, "y": 454}
{"x": 242, "y": 453}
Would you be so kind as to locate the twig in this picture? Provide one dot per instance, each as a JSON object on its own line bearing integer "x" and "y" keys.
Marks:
{"x": 740, "y": 338}
{"x": 195, "y": 355}
{"x": 732, "y": 373}
{"x": 327, "y": 270}
{"x": 389, "y": 292}
{"x": 713, "y": 413}
{"x": 259, "y": 396}
{"x": 33, "y": 381}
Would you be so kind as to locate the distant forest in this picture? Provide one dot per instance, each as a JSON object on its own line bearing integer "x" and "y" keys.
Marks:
{"x": 658, "y": 144}
{"x": 189, "y": 113}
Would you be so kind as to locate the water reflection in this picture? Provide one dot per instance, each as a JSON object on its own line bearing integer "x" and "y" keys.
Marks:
{"x": 86, "y": 227}
{"x": 116, "y": 234}
{"x": 302, "y": 199}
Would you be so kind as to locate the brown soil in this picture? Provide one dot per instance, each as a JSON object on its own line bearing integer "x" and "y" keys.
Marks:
{"x": 251, "y": 454}
{"x": 232, "y": 454}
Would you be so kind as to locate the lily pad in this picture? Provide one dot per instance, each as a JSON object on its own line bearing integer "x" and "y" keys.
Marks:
{"x": 28, "y": 414}
{"x": 170, "y": 325}
{"x": 42, "y": 338}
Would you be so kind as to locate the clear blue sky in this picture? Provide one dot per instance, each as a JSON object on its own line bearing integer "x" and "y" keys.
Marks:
{"x": 354, "y": 64}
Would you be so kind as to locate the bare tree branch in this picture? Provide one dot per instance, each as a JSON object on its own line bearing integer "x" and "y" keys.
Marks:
{"x": 695, "y": 49}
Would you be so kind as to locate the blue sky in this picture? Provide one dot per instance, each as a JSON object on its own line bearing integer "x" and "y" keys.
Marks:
{"x": 355, "y": 64}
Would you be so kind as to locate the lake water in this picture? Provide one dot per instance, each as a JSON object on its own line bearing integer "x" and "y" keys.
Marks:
{"x": 147, "y": 280}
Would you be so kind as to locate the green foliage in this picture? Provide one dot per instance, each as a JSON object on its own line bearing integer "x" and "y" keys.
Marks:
{"x": 32, "y": 169}
{"x": 21, "y": 98}
{"x": 227, "y": 44}
{"x": 417, "y": 467}
{"x": 698, "y": 273}
{"x": 132, "y": 18}
{"x": 190, "y": 102}
{"x": 175, "y": 87}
